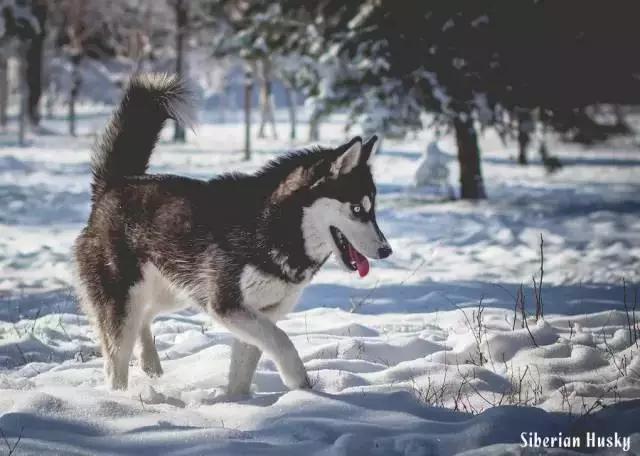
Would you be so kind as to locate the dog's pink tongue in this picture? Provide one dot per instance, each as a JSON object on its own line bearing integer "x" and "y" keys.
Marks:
{"x": 361, "y": 261}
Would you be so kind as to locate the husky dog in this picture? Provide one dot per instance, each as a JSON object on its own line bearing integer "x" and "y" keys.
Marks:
{"x": 241, "y": 247}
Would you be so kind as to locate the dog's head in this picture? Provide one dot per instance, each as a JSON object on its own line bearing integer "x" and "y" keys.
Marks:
{"x": 339, "y": 216}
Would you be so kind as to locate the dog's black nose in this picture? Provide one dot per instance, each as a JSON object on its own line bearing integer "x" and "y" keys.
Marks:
{"x": 384, "y": 252}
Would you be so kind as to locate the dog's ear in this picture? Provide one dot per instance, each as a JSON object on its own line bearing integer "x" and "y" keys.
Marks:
{"x": 369, "y": 149}
{"x": 348, "y": 159}
{"x": 296, "y": 180}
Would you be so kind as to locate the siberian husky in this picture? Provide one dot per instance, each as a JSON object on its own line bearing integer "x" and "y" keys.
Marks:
{"x": 240, "y": 246}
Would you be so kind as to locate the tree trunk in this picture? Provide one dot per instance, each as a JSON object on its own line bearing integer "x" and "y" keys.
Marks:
{"x": 50, "y": 102}
{"x": 314, "y": 125}
{"x": 526, "y": 126}
{"x": 181, "y": 37}
{"x": 523, "y": 143}
{"x": 248, "y": 92}
{"x": 75, "y": 90}
{"x": 267, "y": 114}
{"x": 4, "y": 89}
{"x": 471, "y": 184}
{"x": 290, "y": 94}
{"x": 22, "y": 109}
{"x": 34, "y": 57}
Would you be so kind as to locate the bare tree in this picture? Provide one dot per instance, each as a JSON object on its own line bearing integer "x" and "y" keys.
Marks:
{"x": 292, "y": 102}
{"x": 471, "y": 183}
{"x": 248, "y": 94}
{"x": 22, "y": 110}
{"x": 182, "y": 26}
{"x": 526, "y": 125}
{"x": 77, "y": 28}
{"x": 267, "y": 111}
{"x": 34, "y": 58}
{"x": 76, "y": 52}
{"x": 86, "y": 29}
{"x": 4, "y": 87}
{"x": 287, "y": 69}
{"x": 18, "y": 27}
{"x": 314, "y": 124}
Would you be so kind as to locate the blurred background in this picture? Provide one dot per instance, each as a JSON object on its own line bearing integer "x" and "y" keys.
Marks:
{"x": 515, "y": 67}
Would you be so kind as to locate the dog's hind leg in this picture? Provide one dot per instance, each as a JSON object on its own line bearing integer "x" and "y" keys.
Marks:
{"x": 117, "y": 326}
{"x": 255, "y": 329}
{"x": 115, "y": 317}
{"x": 244, "y": 360}
{"x": 147, "y": 352}
{"x": 120, "y": 349}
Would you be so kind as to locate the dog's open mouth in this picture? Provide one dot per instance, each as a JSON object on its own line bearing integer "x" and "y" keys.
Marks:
{"x": 351, "y": 258}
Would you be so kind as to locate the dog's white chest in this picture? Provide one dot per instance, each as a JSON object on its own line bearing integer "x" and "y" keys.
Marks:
{"x": 260, "y": 290}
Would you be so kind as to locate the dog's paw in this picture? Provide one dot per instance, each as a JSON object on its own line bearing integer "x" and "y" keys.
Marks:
{"x": 235, "y": 393}
{"x": 153, "y": 370}
{"x": 298, "y": 382}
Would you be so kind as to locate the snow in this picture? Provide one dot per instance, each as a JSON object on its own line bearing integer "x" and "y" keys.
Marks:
{"x": 400, "y": 361}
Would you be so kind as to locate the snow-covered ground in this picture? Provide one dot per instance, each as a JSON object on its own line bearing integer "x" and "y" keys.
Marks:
{"x": 421, "y": 357}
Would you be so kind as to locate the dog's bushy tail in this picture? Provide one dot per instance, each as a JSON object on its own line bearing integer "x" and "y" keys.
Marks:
{"x": 125, "y": 147}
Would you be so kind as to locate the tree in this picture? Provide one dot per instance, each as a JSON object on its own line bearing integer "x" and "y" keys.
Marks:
{"x": 267, "y": 110}
{"x": 248, "y": 92}
{"x": 17, "y": 27}
{"x": 84, "y": 29}
{"x": 526, "y": 125}
{"x": 181, "y": 8}
{"x": 467, "y": 64}
{"x": 481, "y": 63}
{"x": 276, "y": 36}
{"x": 408, "y": 57}
{"x": 34, "y": 60}
{"x": 101, "y": 41}
{"x": 288, "y": 71}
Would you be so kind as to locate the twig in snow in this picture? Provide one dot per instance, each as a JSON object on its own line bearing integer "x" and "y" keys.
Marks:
{"x": 539, "y": 303}
{"x": 35, "y": 320}
{"x": 479, "y": 323}
{"x": 525, "y": 323}
{"x": 355, "y": 305}
{"x": 635, "y": 323}
{"x": 623, "y": 367}
{"x": 520, "y": 302}
{"x": 61, "y": 326}
{"x": 475, "y": 332}
{"x": 631, "y": 314}
{"x": 571, "y": 326}
{"x": 536, "y": 295}
{"x": 11, "y": 448}
{"x": 564, "y": 392}
{"x": 306, "y": 328}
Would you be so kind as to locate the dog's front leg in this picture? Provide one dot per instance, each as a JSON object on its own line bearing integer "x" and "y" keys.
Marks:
{"x": 255, "y": 329}
{"x": 244, "y": 360}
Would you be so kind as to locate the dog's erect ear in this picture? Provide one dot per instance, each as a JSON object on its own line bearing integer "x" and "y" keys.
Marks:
{"x": 348, "y": 159}
{"x": 296, "y": 180}
{"x": 369, "y": 149}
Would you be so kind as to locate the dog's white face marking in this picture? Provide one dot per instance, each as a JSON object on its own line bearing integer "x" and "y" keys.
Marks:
{"x": 326, "y": 212}
{"x": 366, "y": 204}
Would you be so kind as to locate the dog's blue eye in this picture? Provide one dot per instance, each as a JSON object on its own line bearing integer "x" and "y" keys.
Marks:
{"x": 356, "y": 208}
